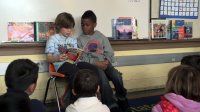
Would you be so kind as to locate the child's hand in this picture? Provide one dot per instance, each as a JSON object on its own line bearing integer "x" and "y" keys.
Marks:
{"x": 102, "y": 64}
{"x": 106, "y": 62}
{"x": 62, "y": 57}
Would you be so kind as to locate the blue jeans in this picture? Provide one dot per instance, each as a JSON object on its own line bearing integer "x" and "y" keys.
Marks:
{"x": 113, "y": 75}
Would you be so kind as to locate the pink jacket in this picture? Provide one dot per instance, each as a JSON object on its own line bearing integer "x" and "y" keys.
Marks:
{"x": 183, "y": 104}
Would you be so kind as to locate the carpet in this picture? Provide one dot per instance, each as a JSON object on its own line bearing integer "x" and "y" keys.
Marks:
{"x": 144, "y": 104}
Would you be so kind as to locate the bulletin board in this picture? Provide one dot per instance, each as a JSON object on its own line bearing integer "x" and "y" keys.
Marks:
{"x": 179, "y": 9}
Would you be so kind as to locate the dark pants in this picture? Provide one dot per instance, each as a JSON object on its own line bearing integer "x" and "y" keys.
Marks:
{"x": 70, "y": 70}
{"x": 110, "y": 73}
{"x": 107, "y": 94}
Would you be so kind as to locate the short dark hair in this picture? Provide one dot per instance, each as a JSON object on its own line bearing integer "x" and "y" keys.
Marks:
{"x": 15, "y": 102}
{"x": 89, "y": 14}
{"x": 64, "y": 20}
{"x": 85, "y": 83}
{"x": 191, "y": 60}
{"x": 184, "y": 80}
{"x": 21, "y": 73}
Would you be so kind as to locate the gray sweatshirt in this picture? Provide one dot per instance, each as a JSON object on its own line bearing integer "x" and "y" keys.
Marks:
{"x": 96, "y": 48}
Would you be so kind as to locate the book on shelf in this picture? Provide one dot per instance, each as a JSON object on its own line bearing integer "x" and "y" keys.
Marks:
{"x": 177, "y": 29}
{"x": 134, "y": 26}
{"x": 114, "y": 30}
{"x": 159, "y": 29}
{"x": 169, "y": 27}
{"x": 188, "y": 29}
{"x": 150, "y": 31}
{"x": 73, "y": 54}
{"x": 21, "y": 31}
{"x": 124, "y": 28}
{"x": 43, "y": 30}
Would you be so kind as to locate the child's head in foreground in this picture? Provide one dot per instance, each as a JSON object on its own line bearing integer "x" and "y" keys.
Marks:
{"x": 184, "y": 80}
{"x": 86, "y": 83}
{"x": 22, "y": 75}
{"x": 88, "y": 22}
{"x": 191, "y": 60}
{"x": 64, "y": 24}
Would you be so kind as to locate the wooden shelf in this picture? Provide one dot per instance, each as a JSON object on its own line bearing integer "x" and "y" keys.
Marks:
{"x": 9, "y": 48}
{"x": 120, "y": 45}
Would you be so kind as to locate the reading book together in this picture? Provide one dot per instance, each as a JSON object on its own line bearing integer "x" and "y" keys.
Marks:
{"x": 73, "y": 54}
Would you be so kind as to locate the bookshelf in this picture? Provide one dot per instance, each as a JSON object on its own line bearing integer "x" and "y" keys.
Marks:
{"x": 7, "y": 49}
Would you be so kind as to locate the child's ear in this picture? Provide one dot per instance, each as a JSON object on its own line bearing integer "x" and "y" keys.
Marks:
{"x": 72, "y": 32}
{"x": 98, "y": 88}
{"x": 73, "y": 92}
{"x": 95, "y": 24}
{"x": 31, "y": 89}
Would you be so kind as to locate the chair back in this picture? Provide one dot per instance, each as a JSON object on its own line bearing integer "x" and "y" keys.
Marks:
{"x": 51, "y": 68}
{"x": 52, "y": 71}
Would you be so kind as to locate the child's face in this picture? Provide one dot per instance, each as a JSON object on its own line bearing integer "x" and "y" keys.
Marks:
{"x": 87, "y": 26}
{"x": 66, "y": 31}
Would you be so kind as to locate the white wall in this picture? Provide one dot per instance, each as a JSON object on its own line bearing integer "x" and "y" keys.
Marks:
{"x": 47, "y": 10}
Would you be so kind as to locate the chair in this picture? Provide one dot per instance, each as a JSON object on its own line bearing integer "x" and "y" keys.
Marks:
{"x": 53, "y": 75}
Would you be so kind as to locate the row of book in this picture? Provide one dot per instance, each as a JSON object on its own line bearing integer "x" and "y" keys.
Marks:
{"x": 171, "y": 29}
{"x": 30, "y": 31}
{"x": 124, "y": 28}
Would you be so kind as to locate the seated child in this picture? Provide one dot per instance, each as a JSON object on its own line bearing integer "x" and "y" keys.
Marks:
{"x": 56, "y": 49}
{"x": 14, "y": 102}
{"x": 98, "y": 51}
{"x": 21, "y": 79}
{"x": 182, "y": 91}
{"x": 85, "y": 87}
{"x": 191, "y": 60}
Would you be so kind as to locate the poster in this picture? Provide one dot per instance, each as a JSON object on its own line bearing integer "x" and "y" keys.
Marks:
{"x": 179, "y": 9}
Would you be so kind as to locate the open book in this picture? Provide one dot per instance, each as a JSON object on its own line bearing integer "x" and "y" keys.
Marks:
{"x": 73, "y": 54}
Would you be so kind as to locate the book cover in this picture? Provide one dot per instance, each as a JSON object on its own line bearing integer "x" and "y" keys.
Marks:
{"x": 159, "y": 29}
{"x": 21, "y": 31}
{"x": 73, "y": 54}
{"x": 114, "y": 30}
{"x": 124, "y": 28}
{"x": 188, "y": 29}
{"x": 150, "y": 31}
{"x": 134, "y": 26}
{"x": 177, "y": 29}
{"x": 43, "y": 30}
{"x": 169, "y": 29}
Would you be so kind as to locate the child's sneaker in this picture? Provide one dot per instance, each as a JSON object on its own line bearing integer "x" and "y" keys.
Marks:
{"x": 115, "y": 109}
{"x": 123, "y": 104}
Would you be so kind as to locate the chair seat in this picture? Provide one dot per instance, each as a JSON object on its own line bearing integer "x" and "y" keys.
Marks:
{"x": 56, "y": 74}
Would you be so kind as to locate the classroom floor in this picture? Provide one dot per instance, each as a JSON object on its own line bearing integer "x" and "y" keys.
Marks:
{"x": 52, "y": 107}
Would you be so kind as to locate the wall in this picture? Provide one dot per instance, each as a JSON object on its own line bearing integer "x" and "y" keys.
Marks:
{"x": 46, "y": 10}
{"x": 142, "y": 68}
{"x": 196, "y": 22}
